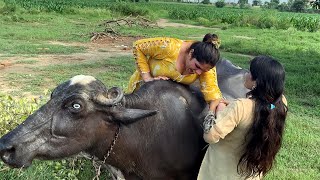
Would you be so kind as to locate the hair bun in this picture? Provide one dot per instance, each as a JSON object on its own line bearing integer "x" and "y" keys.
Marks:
{"x": 216, "y": 42}
{"x": 213, "y": 39}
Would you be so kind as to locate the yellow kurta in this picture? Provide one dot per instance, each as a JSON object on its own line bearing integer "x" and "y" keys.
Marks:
{"x": 222, "y": 157}
{"x": 158, "y": 56}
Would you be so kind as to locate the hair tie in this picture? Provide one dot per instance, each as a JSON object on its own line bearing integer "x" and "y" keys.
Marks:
{"x": 272, "y": 106}
{"x": 216, "y": 42}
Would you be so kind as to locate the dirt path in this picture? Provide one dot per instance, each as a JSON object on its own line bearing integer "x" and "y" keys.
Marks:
{"x": 166, "y": 23}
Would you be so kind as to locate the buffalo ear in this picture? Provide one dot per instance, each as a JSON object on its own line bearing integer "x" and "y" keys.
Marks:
{"x": 128, "y": 116}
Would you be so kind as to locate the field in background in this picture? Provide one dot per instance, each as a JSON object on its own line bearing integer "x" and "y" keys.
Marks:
{"x": 30, "y": 30}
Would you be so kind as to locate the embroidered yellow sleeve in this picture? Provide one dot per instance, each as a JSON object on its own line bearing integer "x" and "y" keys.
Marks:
{"x": 152, "y": 48}
{"x": 226, "y": 121}
{"x": 209, "y": 85}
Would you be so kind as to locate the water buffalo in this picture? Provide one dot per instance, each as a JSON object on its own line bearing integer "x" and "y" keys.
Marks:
{"x": 153, "y": 133}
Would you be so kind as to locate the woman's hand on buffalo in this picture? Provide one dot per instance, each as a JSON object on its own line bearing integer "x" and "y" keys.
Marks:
{"x": 161, "y": 78}
{"x": 147, "y": 77}
{"x": 222, "y": 104}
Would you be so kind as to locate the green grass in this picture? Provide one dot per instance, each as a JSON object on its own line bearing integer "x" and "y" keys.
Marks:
{"x": 23, "y": 33}
{"x": 29, "y": 34}
{"x": 14, "y": 47}
{"x": 72, "y": 168}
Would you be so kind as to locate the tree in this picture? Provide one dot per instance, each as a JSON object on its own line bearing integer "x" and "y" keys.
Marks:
{"x": 298, "y": 6}
{"x": 220, "y": 4}
{"x": 315, "y": 4}
{"x": 256, "y": 3}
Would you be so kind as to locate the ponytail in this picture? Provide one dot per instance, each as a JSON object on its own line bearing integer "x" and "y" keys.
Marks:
{"x": 264, "y": 138}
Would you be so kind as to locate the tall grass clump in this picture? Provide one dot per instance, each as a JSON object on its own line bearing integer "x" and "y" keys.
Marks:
{"x": 8, "y": 9}
{"x": 128, "y": 9}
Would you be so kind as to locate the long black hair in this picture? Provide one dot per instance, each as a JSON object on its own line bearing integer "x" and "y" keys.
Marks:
{"x": 207, "y": 51}
{"x": 264, "y": 138}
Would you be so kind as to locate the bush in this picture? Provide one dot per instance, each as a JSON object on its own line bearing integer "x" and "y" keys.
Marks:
{"x": 8, "y": 9}
{"x": 267, "y": 22}
{"x": 128, "y": 9}
{"x": 206, "y": 22}
{"x": 220, "y": 4}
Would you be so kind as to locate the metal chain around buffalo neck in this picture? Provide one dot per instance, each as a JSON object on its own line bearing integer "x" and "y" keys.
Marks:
{"x": 112, "y": 143}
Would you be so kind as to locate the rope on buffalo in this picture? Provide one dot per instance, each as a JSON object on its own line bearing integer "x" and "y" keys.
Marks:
{"x": 97, "y": 163}
{"x": 102, "y": 163}
{"x": 112, "y": 143}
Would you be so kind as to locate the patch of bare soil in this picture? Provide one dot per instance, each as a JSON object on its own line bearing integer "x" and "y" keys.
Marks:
{"x": 166, "y": 23}
{"x": 100, "y": 49}
{"x": 244, "y": 37}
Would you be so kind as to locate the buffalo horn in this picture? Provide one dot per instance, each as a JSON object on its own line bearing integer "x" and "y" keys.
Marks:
{"x": 111, "y": 97}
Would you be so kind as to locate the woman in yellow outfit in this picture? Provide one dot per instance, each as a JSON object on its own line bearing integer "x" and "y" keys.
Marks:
{"x": 181, "y": 61}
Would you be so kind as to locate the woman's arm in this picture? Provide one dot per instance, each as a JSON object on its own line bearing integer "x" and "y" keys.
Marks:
{"x": 152, "y": 48}
{"x": 210, "y": 89}
{"x": 225, "y": 123}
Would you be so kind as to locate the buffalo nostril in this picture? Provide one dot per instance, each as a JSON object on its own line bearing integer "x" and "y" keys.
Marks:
{"x": 6, "y": 152}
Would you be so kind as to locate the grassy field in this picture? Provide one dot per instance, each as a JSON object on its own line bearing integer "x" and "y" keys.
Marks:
{"x": 27, "y": 35}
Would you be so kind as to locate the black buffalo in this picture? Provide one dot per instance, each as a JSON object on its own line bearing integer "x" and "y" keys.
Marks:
{"x": 154, "y": 133}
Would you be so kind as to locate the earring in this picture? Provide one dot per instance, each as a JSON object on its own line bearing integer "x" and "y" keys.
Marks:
{"x": 253, "y": 87}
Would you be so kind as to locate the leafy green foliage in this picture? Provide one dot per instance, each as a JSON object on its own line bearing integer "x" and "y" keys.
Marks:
{"x": 14, "y": 111}
{"x": 306, "y": 23}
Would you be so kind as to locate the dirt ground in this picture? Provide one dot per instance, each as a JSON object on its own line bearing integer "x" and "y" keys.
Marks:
{"x": 96, "y": 50}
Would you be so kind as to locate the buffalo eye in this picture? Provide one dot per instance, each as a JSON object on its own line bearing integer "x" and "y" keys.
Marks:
{"x": 75, "y": 107}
